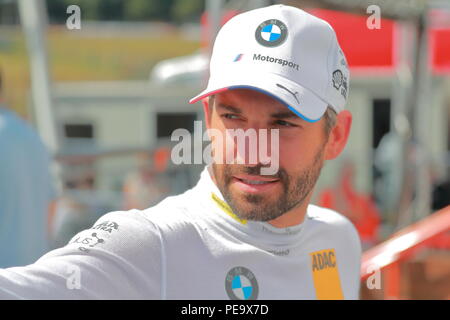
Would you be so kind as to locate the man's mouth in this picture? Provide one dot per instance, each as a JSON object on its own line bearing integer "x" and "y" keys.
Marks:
{"x": 251, "y": 183}
{"x": 254, "y": 178}
{"x": 255, "y": 181}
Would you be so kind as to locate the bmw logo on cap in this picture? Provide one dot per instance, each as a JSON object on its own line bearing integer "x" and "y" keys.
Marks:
{"x": 271, "y": 33}
{"x": 241, "y": 284}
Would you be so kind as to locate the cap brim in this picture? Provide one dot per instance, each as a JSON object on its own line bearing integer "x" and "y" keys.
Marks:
{"x": 297, "y": 98}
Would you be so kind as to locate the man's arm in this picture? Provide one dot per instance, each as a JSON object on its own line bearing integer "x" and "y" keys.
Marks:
{"x": 118, "y": 258}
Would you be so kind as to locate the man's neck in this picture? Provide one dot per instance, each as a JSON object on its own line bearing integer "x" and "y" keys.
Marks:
{"x": 293, "y": 217}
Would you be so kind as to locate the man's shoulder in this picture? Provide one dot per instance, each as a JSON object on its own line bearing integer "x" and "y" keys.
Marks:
{"x": 337, "y": 229}
{"x": 118, "y": 226}
{"x": 327, "y": 215}
{"x": 332, "y": 221}
{"x": 172, "y": 213}
{"x": 175, "y": 212}
{"x": 122, "y": 234}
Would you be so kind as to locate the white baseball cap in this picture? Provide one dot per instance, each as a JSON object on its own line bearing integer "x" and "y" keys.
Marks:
{"x": 284, "y": 52}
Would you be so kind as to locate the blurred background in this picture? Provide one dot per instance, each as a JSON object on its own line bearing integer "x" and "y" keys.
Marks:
{"x": 90, "y": 95}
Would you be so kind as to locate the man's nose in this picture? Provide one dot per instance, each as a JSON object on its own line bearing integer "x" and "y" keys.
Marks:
{"x": 257, "y": 147}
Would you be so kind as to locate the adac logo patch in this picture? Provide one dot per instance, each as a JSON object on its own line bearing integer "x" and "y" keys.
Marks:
{"x": 325, "y": 274}
{"x": 241, "y": 284}
{"x": 271, "y": 33}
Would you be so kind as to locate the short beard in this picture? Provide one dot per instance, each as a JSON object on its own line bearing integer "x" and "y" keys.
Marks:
{"x": 253, "y": 207}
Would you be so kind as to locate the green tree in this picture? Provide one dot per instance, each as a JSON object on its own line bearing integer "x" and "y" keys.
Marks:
{"x": 184, "y": 10}
{"x": 148, "y": 9}
{"x": 90, "y": 9}
{"x": 111, "y": 9}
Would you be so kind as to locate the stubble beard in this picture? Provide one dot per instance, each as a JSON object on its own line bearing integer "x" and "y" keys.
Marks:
{"x": 260, "y": 207}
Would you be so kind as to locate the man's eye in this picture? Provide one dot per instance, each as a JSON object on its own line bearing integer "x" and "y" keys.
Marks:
{"x": 229, "y": 116}
{"x": 284, "y": 123}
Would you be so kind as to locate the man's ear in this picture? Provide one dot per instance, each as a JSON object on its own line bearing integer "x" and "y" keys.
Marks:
{"x": 338, "y": 136}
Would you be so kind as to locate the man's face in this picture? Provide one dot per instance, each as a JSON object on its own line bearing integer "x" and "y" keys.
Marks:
{"x": 253, "y": 196}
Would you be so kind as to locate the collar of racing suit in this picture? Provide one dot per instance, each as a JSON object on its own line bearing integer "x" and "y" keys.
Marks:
{"x": 252, "y": 231}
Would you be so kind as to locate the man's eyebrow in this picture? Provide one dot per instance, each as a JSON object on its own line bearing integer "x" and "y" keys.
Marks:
{"x": 276, "y": 115}
{"x": 229, "y": 108}
{"x": 284, "y": 115}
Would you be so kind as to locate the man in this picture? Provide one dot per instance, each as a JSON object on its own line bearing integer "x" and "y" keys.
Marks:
{"x": 26, "y": 191}
{"x": 238, "y": 234}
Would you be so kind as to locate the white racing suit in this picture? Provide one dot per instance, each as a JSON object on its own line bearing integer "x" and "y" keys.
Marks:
{"x": 192, "y": 246}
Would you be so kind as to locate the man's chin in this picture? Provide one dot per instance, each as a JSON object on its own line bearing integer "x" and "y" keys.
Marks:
{"x": 249, "y": 207}
{"x": 253, "y": 200}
